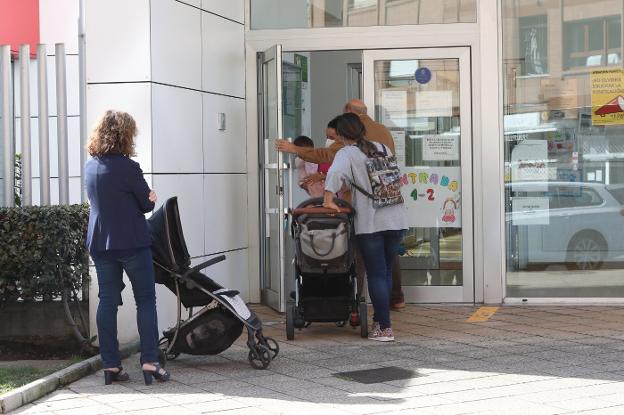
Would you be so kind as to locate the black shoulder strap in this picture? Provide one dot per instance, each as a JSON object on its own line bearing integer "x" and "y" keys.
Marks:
{"x": 384, "y": 150}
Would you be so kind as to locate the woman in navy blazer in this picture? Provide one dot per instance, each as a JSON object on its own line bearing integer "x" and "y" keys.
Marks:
{"x": 119, "y": 240}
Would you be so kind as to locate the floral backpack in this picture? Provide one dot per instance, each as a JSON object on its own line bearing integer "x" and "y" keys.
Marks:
{"x": 385, "y": 179}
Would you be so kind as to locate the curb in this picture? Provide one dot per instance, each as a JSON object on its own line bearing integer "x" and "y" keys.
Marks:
{"x": 41, "y": 387}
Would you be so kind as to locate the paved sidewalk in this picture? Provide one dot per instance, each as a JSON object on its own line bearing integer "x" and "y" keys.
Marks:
{"x": 524, "y": 360}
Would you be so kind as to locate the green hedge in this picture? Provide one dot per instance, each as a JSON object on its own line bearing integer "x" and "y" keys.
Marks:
{"x": 42, "y": 251}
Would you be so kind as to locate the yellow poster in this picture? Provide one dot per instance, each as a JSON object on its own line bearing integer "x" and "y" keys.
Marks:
{"x": 607, "y": 97}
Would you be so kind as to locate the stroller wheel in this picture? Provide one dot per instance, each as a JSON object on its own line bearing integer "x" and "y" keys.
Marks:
{"x": 260, "y": 358}
{"x": 172, "y": 355}
{"x": 363, "y": 319}
{"x": 290, "y": 321}
{"x": 162, "y": 358}
{"x": 273, "y": 346}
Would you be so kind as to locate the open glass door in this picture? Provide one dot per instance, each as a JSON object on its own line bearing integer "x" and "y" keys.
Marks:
{"x": 423, "y": 96}
{"x": 274, "y": 179}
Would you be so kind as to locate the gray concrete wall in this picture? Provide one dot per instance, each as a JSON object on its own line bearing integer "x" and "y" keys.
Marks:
{"x": 329, "y": 79}
{"x": 37, "y": 322}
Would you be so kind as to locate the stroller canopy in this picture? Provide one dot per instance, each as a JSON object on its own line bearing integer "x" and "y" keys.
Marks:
{"x": 168, "y": 245}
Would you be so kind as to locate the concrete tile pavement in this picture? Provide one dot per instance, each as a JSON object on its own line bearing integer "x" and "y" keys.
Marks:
{"x": 524, "y": 360}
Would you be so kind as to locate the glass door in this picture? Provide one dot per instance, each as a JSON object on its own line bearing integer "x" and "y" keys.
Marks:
{"x": 274, "y": 179}
{"x": 423, "y": 97}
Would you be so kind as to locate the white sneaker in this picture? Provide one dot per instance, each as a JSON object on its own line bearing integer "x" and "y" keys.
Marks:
{"x": 384, "y": 335}
{"x": 374, "y": 327}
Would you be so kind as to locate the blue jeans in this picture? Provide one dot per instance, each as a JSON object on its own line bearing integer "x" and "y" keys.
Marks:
{"x": 378, "y": 250}
{"x": 140, "y": 270}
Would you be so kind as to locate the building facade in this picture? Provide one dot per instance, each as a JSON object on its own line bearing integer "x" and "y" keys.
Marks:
{"x": 507, "y": 118}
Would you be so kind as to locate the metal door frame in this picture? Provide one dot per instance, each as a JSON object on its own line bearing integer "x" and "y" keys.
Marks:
{"x": 484, "y": 38}
{"x": 436, "y": 294}
{"x": 270, "y": 296}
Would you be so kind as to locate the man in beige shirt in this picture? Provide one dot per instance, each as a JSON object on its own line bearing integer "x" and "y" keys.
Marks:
{"x": 379, "y": 133}
{"x": 374, "y": 130}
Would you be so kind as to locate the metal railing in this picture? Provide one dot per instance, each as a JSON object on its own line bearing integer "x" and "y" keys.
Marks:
{"x": 8, "y": 88}
{"x": 7, "y": 120}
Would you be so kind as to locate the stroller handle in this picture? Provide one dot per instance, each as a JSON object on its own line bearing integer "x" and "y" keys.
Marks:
{"x": 206, "y": 264}
{"x": 315, "y": 206}
{"x": 321, "y": 210}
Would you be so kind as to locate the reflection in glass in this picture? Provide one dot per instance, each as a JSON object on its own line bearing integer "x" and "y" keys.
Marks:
{"x": 564, "y": 148}
{"x": 418, "y": 100}
{"x": 283, "y": 14}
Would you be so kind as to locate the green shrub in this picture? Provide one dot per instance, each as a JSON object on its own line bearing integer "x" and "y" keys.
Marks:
{"x": 42, "y": 251}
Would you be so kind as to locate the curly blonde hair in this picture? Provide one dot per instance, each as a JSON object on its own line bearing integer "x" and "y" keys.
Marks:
{"x": 113, "y": 134}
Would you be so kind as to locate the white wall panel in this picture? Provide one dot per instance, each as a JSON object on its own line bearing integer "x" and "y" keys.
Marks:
{"x": 232, "y": 9}
{"x": 176, "y": 42}
{"x": 58, "y": 23}
{"x": 195, "y": 3}
{"x": 132, "y": 98}
{"x": 223, "y": 56}
{"x": 231, "y": 273}
{"x": 224, "y": 151}
{"x": 177, "y": 130}
{"x": 189, "y": 190}
{"x": 118, "y": 45}
{"x": 225, "y": 199}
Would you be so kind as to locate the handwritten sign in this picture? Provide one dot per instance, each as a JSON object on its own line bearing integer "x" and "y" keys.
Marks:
{"x": 440, "y": 147}
{"x": 529, "y": 160}
{"x": 394, "y": 107}
{"x": 434, "y": 103}
{"x": 432, "y": 196}
{"x": 398, "y": 136}
{"x": 530, "y": 211}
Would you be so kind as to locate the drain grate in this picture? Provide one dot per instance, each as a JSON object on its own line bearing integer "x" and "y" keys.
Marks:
{"x": 383, "y": 374}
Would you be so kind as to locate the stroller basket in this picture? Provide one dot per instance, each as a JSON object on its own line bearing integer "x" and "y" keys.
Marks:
{"x": 323, "y": 239}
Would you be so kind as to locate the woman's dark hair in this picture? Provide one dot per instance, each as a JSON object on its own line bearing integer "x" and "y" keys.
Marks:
{"x": 303, "y": 141}
{"x": 350, "y": 127}
{"x": 333, "y": 123}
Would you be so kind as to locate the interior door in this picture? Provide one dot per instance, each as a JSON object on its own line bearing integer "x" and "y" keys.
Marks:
{"x": 274, "y": 179}
{"x": 423, "y": 96}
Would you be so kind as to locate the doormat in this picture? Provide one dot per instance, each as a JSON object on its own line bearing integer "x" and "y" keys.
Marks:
{"x": 383, "y": 374}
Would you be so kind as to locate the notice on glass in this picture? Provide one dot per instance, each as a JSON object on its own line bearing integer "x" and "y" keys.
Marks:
{"x": 434, "y": 103}
{"x": 394, "y": 107}
{"x": 528, "y": 163}
{"x": 432, "y": 196}
{"x": 607, "y": 97}
{"x": 440, "y": 147}
{"x": 398, "y": 136}
{"x": 530, "y": 211}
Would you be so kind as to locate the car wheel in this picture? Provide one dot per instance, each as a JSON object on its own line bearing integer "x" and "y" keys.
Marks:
{"x": 586, "y": 251}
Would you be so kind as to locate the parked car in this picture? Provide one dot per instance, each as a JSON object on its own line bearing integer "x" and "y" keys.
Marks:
{"x": 575, "y": 223}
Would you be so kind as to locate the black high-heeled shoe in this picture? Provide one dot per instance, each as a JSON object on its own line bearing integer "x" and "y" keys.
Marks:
{"x": 158, "y": 373}
{"x": 118, "y": 376}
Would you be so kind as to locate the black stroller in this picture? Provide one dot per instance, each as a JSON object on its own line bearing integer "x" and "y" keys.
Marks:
{"x": 223, "y": 314}
{"x": 325, "y": 277}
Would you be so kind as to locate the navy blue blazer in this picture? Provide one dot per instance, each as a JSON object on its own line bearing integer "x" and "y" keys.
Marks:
{"x": 119, "y": 197}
